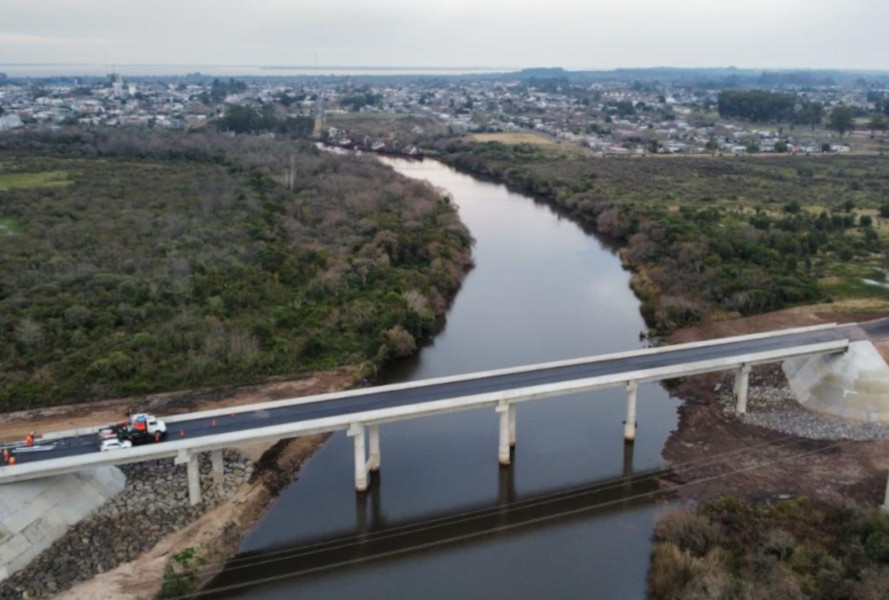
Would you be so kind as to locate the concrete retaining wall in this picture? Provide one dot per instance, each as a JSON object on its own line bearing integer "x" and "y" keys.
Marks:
{"x": 34, "y": 514}
{"x": 853, "y": 385}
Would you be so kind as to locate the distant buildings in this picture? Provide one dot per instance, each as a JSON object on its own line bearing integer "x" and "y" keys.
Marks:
{"x": 10, "y": 122}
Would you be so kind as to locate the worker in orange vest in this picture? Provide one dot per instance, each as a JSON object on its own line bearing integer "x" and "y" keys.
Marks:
{"x": 11, "y": 460}
{"x": 29, "y": 439}
{"x": 6, "y": 455}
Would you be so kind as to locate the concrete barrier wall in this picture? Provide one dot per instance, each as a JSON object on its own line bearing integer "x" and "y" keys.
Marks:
{"x": 853, "y": 385}
{"x": 34, "y": 514}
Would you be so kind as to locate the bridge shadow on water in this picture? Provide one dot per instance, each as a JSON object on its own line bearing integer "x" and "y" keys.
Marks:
{"x": 376, "y": 539}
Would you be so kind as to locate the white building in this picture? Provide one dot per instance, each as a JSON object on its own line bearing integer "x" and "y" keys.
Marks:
{"x": 10, "y": 122}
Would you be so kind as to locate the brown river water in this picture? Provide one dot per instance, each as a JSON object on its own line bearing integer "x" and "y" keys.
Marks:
{"x": 443, "y": 519}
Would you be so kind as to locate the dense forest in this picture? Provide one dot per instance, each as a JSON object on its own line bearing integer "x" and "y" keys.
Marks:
{"x": 142, "y": 262}
{"x": 708, "y": 236}
{"x": 792, "y": 550}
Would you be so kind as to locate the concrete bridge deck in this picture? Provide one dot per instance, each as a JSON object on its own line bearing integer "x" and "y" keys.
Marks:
{"x": 361, "y": 411}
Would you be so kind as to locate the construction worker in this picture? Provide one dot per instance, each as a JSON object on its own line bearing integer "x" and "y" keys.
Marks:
{"x": 6, "y": 455}
{"x": 11, "y": 460}
{"x": 29, "y": 439}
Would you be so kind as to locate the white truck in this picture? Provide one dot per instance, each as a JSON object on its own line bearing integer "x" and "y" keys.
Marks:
{"x": 140, "y": 428}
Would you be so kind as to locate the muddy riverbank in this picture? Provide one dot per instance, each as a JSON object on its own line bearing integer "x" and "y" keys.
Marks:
{"x": 777, "y": 450}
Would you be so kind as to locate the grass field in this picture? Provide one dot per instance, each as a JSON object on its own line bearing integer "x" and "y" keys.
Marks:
{"x": 511, "y": 138}
{"x": 23, "y": 181}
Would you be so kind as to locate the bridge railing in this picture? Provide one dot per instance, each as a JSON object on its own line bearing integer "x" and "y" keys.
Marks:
{"x": 504, "y": 401}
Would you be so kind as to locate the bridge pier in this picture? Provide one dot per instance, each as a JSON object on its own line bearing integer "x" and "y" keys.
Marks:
{"x": 886, "y": 498}
{"x": 512, "y": 411}
{"x": 374, "y": 463}
{"x": 503, "y": 447}
{"x": 742, "y": 383}
{"x": 218, "y": 468}
{"x": 356, "y": 432}
{"x": 630, "y": 423}
{"x": 189, "y": 458}
{"x": 194, "y": 479}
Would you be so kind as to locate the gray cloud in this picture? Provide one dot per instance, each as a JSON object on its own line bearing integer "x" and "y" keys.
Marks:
{"x": 570, "y": 33}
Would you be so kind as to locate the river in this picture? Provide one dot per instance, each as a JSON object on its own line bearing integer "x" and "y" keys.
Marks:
{"x": 443, "y": 520}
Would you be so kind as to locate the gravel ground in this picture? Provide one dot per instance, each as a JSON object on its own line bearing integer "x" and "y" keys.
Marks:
{"x": 153, "y": 504}
{"x": 771, "y": 404}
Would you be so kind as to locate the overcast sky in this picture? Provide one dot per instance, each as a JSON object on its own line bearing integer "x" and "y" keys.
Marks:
{"x": 575, "y": 34}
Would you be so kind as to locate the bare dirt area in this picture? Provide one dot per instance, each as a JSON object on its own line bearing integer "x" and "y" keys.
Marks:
{"x": 15, "y": 426}
{"x": 215, "y": 536}
{"x": 725, "y": 455}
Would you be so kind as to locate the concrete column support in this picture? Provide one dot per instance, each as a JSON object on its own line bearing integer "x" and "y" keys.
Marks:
{"x": 512, "y": 410}
{"x": 503, "y": 446}
{"x": 630, "y": 423}
{"x": 194, "y": 479}
{"x": 374, "y": 462}
{"x": 886, "y": 498}
{"x": 356, "y": 431}
{"x": 218, "y": 468}
{"x": 742, "y": 381}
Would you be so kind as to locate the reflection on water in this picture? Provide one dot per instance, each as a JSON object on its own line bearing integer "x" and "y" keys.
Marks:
{"x": 542, "y": 290}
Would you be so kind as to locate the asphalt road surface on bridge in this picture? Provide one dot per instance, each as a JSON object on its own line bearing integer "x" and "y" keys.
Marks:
{"x": 250, "y": 419}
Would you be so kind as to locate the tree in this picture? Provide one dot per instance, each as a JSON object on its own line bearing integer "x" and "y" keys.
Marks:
{"x": 781, "y": 146}
{"x": 878, "y": 122}
{"x": 841, "y": 119}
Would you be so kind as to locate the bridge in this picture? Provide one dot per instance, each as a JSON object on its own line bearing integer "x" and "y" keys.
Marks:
{"x": 360, "y": 412}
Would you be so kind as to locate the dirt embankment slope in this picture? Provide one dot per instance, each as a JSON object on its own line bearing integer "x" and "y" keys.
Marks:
{"x": 754, "y": 463}
{"x": 216, "y": 534}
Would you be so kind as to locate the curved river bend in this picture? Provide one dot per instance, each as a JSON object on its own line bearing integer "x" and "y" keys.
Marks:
{"x": 444, "y": 520}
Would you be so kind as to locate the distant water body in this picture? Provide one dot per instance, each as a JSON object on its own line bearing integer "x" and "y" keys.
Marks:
{"x": 147, "y": 70}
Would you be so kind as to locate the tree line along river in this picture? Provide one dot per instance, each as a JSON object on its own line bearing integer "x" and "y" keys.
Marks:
{"x": 443, "y": 519}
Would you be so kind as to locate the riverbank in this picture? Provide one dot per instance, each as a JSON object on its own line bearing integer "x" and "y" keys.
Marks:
{"x": 125, "y": 549}
{"x": 779, "y": 501}
{"x": 709, "y": 238}
{"x": 777, "y": 450}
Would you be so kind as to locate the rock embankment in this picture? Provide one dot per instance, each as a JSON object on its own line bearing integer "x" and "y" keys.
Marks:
{"x": 153, "y": 504}
{"x": 772, "y": 405}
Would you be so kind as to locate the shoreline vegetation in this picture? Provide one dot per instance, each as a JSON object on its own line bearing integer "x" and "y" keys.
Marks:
{"x": 712, "y": 238}
{"x": 177, "y": 261}
{"x": 782, "y": 230}
{"x": 718, "y": 239}
{"x": 792, "y": 549}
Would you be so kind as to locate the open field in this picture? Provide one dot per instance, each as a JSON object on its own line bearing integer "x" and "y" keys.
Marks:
{"x": 13, "y": 181}
{"x": 511, "y": 138}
